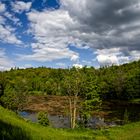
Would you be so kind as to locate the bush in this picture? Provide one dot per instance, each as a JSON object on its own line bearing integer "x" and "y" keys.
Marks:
{"x": 43, "y": 118}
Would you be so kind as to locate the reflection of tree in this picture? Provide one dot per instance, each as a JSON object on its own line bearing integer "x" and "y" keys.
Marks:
{"x": 126, "y": 117}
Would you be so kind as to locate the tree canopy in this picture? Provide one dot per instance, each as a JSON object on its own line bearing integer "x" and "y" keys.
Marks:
{"x": 114, "y": 82}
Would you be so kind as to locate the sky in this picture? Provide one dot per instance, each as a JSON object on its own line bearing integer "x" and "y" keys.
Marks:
{"x": 65, "y": 33}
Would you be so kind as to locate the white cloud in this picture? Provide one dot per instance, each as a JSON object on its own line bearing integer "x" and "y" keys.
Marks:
{"x": 20, "y": 6}
{"x": 2, "y": 20}
{"x": 124, "y": 59}
{"x": 51, "y": 33}
{"x": 2, "y": 7}
{"x": 5, "y": 62}
{"x": 7, "y": 32}
{"x": 107, "y": 24}
{"x": 7, "y": 35}
{"x": 78, "y": 66}
{"x": 111, "y": 51}
{"x": 135, "y": 55}
{"x": 42, "y": 53}
{"x": 116, "y": 56}
{"x": 107, "y": 60}
{"x": 12, "y": 18}
{"x": 111, "y": 27}
{"x": 108, "y": 56}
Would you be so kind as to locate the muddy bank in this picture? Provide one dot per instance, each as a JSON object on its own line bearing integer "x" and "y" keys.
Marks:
{"x": 52, "y": 104}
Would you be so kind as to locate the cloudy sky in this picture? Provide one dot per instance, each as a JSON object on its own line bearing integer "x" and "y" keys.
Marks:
{"x": 62, "y": 33}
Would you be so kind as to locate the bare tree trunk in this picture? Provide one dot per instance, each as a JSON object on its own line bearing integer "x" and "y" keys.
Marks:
{"x": 74, "y": 111}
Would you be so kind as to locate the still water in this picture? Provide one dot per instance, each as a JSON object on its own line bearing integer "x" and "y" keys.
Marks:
{"x": 114, "y": 114}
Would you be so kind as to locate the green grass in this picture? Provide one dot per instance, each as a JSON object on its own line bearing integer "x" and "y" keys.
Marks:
{"x": 13, "y": 127}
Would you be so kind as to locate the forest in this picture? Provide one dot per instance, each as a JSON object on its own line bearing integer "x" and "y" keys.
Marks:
{"x": 90, "y": 84}
{"x": 85, "y": 89}
{"x": 114, "y": 82}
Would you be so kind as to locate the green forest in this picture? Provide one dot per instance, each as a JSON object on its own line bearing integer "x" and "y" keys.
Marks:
{"x": 115, "y": 82}
{"x": 85, "y": 88}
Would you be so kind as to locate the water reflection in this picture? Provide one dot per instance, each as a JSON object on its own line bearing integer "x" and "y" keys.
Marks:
{"x": 29, "y": 115}
{"x": 117, "y": 114}
{"x": 57, "y": 121}
{"x": 60, "y": 121}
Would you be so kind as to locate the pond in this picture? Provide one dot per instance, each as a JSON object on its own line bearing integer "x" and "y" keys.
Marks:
{"x": 60, "y": 121}
{"x": 111, "y": 114}
{"x": 56, "y": 121}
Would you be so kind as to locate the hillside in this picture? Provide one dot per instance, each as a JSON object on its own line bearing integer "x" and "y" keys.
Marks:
{"x": 13, "y": 127}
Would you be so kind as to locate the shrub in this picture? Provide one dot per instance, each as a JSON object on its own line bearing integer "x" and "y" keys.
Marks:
{"x": 43, "y": 118}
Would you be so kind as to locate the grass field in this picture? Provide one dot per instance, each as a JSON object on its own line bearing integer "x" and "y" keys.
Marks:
{"x": 12, "y": 127}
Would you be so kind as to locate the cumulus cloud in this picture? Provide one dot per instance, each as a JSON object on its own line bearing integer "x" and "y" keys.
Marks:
{"x": 43, "y": 53}
{"x": 109, "y": 26}
{"x": 135, "y": 55}
{"x": 21, "y": 6}
{"x": 107, "y": 60}
{"x": 7, "y": 32}
{"x": 2, "y": 20}
{"x": 5, "y": 62}
{"x": 116, "y": 56}
{"x": 51, "y": 36}
{"x": 7, "y": 35}
{"x": 101, "y": 16}
{"x": 2, "y": 7}
{"x": 78, "y": 66}
{"x": 108, "y": 56}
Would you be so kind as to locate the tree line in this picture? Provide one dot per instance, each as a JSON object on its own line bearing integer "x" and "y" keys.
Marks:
{"x": 115, "y": 82}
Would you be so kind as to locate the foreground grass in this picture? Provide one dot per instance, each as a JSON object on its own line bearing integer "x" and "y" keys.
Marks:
{"x": 13, "y": 127}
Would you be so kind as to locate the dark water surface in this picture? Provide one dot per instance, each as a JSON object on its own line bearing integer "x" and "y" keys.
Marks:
{"x": 116, "y": 113}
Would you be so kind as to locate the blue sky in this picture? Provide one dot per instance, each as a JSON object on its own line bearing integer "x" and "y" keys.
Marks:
{"x": 63, "y": 33}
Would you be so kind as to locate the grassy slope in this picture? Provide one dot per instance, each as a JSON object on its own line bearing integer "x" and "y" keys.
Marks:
{"x": 13, "y": 127}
